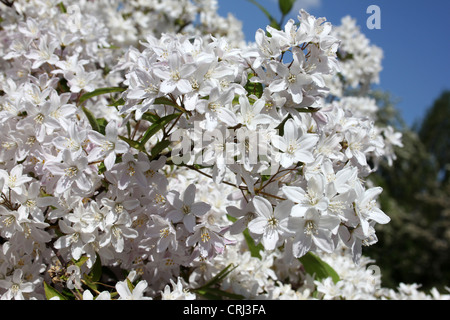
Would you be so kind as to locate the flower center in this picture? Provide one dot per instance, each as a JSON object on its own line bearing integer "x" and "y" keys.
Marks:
{"x": 273, "y": 222}
{"x": 205, "y": 235}
{"x": 310, "y": 227}
{"x": 292, "y": 78}
{"x": 186, "y": 209}
{"x": 164, "y": 233}
{"x": 71, "y": 171}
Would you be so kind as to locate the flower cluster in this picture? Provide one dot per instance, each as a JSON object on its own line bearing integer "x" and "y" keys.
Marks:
{"x": 147, "y": 137}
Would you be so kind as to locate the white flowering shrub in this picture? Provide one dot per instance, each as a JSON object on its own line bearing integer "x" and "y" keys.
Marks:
{"x": 148, "y": 152}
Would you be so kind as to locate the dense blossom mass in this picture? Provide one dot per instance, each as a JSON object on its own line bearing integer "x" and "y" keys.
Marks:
{"x": 148, "y": 138}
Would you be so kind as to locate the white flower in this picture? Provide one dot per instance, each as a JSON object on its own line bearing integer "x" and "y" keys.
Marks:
{"x": 186, "y": 210}
{"x": 176, "y": 75}
{"x": 313, "y": 197}
{"x": 137, "y": 293}
{"x": 295, "y": 145}
{"x": 117, "y": 229}
{"x": 108, "y": 146}
{"x": 15, "y": 179}
{"x": 81, "y": 80}
{"x": 293, "y": 78}
{"x": 45, "y": 52}
{"x": 177, "y": 292}
{"x": 76, "y": 237}
{"x": 271, "y": 225}
{"x": 71, "y": 171}
{"x": 16, "y": 286}
{"x": 313, "y": 229}
{"x": 165, "y": 234}
{"x": 366, "y": 207}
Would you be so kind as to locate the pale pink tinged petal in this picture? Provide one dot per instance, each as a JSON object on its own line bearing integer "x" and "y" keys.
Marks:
{"x": 189, "y": 222}
{"x": 379, "y": 216}
{"x": 290, "y": 131}
{"x": 257, "y": 225}
{"x": 270, "y": 239}
{"x": 110, "y": 160}
{"x": 263, "y": 207}
{"x": 279, "y": 143}
{"x": 189, "y": 195}
{"x": 304, "y": 156}
{"x": 283, "y": 209}
{"x": 295, "y": 194}
{"x": 123, "y": 290}
{"x": 200, "y": 208}
{"x": 301, "y": 245}
{"x": 168, "y": 86}
{"x": 323, "y": 240}
{"x": 278, "y": 85}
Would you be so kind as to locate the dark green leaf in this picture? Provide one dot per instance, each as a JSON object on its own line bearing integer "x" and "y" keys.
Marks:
{"x": 51, "y": 292}
{"x": 315, "y": 266}
{"x": 96, "y": 271}
{"x": 150, "y": 117}
{"x": 102, "y": 123}
{"x": 92, "y": 119}
{"x": 132, "y": 143}
{"x": 217, "y": 294}
{"x": 62, "y": 7}
{"x": 119, "y": 102}
{"x": 155, "y": 127}
{"x": 252, "y": 247}
{"x": 98, "y": 92}
{"x": 166, "y": 101}
{"x": 255, "y": 88}
{"x": 160, "y": 146}
{"x": 81, "y": 261}
{"x": 286, "y": 6}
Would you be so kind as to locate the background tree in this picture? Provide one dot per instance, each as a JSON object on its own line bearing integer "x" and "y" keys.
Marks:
{"x": 417, "y": 197}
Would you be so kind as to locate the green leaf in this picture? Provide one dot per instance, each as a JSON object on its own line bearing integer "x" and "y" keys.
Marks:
{"x": 166, "y": 101}
{"x": 116, "y": 103}
{"x": 315, "y": 266}
{"x": 217, "y": 294}
{"x": 102, "y": 123}
{"x": 99, "y": 92}
{"x": 79, "y": 263}
{"x": 62, "y": 7}
{"x": 255, "y": 88}
{"x": 286, "y": 6}
{"x": 151, "y": 117}
{"x": 220, "y": 276}
{"x": 160, "y": 146}
{"x": 252, "y": 247}
{"x": 96, "y": 272}
{"x": 272, "y": 20}
{"x": 132, "y": 143}
{"x": 92, "y": 120}
{"x": 130, "y": 285}
{"x": 51, "y": 292}
{"x": 155, "y": 127}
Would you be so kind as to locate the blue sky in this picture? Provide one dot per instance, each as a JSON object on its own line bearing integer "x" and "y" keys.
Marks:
{"x": 414, "y": 35}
